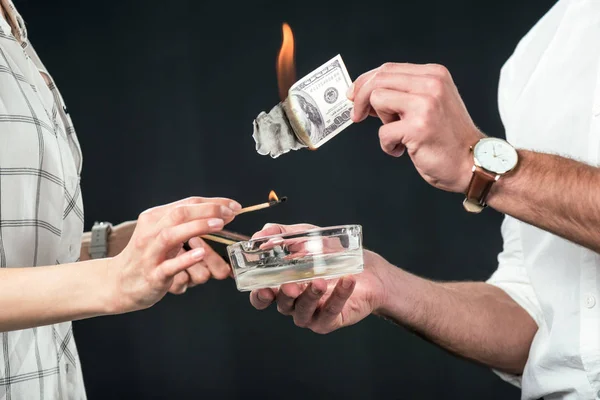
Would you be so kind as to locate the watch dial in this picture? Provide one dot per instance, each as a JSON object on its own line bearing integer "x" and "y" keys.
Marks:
{"x": 495, "y": 155}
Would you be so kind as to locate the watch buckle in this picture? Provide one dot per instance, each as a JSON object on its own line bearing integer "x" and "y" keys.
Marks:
{"x": 99, "y": 240}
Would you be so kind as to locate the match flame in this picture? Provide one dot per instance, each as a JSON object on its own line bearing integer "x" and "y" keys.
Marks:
{"x": 286, "y": 67}
{"x": 273, "y": 196}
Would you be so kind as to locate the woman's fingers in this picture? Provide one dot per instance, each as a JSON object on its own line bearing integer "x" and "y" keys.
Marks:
{"x": 167, "y": 270}
{"x": 219, "y": 268}
{"x": 180, "y": 283}
{"x": 211, "y": 265}
{"x": 168, "y": 238}
{"x": 198, "y": 274}
{"x": 156, "y": 213}
{"x": 154, "y": 263}
{"x": 192, "y": 212}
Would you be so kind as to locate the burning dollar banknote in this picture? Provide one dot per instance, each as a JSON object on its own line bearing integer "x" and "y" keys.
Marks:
{"x": 314, "y": 111}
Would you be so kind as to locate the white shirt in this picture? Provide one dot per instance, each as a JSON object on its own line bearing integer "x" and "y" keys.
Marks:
{"x": 41, "y": 214}
{"x": 549, "y": 99}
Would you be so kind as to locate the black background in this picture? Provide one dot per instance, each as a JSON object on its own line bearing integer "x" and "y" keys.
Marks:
{"x": 163, "y": 94}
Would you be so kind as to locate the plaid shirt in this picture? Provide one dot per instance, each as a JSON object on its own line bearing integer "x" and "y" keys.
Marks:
{"x": 41, "y": 212}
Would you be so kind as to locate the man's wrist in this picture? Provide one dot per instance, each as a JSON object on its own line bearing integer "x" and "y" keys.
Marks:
{"x": 405, "y": 297}
{"x": 390, "y": 293}
{"x": 505, "y": 185}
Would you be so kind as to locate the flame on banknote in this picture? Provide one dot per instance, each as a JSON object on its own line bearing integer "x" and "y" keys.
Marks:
{"x": 286, "y": 67}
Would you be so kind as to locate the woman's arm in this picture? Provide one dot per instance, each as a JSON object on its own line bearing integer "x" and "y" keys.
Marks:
{"x": 135, "y": 279}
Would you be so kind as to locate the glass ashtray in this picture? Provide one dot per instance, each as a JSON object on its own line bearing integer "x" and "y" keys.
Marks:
{"x": 271, "y": 261}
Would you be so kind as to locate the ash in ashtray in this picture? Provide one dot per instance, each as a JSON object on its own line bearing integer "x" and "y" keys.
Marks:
{"x": 273, "y": 256}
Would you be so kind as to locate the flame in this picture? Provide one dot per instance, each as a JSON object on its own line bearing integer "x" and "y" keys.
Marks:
{"x": 273, "y": 196}
{"x": 286, "y": 67}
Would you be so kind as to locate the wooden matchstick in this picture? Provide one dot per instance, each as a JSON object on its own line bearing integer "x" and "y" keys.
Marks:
{"x": 238, "y": 237}
{"x": 227, "y": 237}
{"x": 218, "y": 239}
{"x": 261, "y": 206}
{"x": 223, "y": 236}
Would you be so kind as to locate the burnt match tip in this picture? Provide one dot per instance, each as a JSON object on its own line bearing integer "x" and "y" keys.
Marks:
{"x": 276, "y": 202}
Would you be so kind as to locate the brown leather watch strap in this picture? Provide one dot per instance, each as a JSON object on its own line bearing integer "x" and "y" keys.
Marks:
{"x": 479, "y": 187}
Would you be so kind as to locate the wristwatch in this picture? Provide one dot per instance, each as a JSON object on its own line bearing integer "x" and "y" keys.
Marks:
{"x": 493, "y": 158}
{"x": 99, "y": 242}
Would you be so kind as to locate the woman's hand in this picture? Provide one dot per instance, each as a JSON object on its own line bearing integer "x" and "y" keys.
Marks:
{"x": 212, "y": 265}
{"x": 153, "y": 262}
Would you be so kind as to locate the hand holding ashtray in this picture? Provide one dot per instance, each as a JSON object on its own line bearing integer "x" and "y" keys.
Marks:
{"x": 271, "y": 261}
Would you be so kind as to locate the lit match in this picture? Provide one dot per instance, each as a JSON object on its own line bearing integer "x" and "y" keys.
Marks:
{"x": 228, "y": 237}
{"x": 273, "y": 201}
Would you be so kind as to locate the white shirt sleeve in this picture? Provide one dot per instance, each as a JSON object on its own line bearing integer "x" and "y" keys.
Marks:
{"x": 511, "y": 276}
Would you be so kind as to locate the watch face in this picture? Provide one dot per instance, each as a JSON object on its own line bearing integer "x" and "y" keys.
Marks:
{"x": 495, "y": 155}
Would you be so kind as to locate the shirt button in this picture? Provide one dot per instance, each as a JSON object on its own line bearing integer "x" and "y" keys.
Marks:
{"x": 590, "y": 302}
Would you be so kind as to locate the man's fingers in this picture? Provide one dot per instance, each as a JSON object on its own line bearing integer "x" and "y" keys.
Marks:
{"x": 434, "y": 70}
{"x": 286, "y": 297}
{"x": 392, "y": 138}
{"x": 334, "y": 305}
{"x": 359, "y": 82}
{"x": 306, "y": 304}
{"x": 385, "y": 117}
{"x": 276, "y": 229}
{"x": 262, "y": 298}
{"x": 398, "y": 82}
{"x": 268, "y": 230}
{"x": 396, "y": 102}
